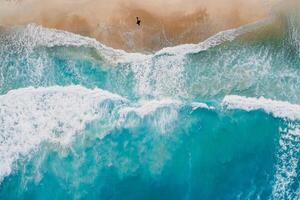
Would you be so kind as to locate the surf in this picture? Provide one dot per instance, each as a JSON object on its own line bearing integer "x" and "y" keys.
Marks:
{"x": 185, "y": 122}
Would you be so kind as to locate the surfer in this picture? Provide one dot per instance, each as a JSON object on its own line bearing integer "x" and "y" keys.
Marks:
{"x": 138, "y": 21}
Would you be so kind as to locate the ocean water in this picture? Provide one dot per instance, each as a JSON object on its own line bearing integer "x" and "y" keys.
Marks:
{"x": 214, "y": 120}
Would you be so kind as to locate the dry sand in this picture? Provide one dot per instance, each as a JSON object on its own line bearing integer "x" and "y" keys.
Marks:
{"x": 112, "y": 22}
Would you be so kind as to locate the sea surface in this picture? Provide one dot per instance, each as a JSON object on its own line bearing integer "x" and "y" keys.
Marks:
{"x": 214, "y": 120}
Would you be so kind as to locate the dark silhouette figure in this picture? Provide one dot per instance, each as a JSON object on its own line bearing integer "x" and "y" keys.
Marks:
{"x": 138, "y": 21}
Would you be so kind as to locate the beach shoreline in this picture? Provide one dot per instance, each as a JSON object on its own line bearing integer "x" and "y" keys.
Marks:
{"x": 163, "y": 24}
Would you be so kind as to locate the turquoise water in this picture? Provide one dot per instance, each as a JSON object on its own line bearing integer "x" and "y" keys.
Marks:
{"x": 215, "y": 120}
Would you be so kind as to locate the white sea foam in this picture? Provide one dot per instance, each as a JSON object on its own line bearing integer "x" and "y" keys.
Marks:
{"x": 160, "y": 76}
{"x": 279, "y": 109}
{"x": 198, "y": 105}
{"x": 34, "y": 35}
{"x": 31, "y": 116}
{"x": 287, "y": 163}
{"x": 163, "y": 113}
{"x": 146, "y": 107}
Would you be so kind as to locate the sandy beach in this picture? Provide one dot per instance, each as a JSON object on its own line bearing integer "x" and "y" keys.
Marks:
{"x": 163, "y": 23}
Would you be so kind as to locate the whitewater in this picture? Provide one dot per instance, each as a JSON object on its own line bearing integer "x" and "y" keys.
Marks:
{"x": 215, "y": 120}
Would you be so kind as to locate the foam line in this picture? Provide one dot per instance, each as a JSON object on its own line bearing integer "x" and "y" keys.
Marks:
{"x": 198, "y": 105}
{"x": 279, "y": 109}
{"x": 37, "y": 35}
{"x": 146, "y": 107}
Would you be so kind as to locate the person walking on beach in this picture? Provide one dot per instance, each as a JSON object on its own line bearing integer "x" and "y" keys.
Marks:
{"x": 138, "y": 21}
